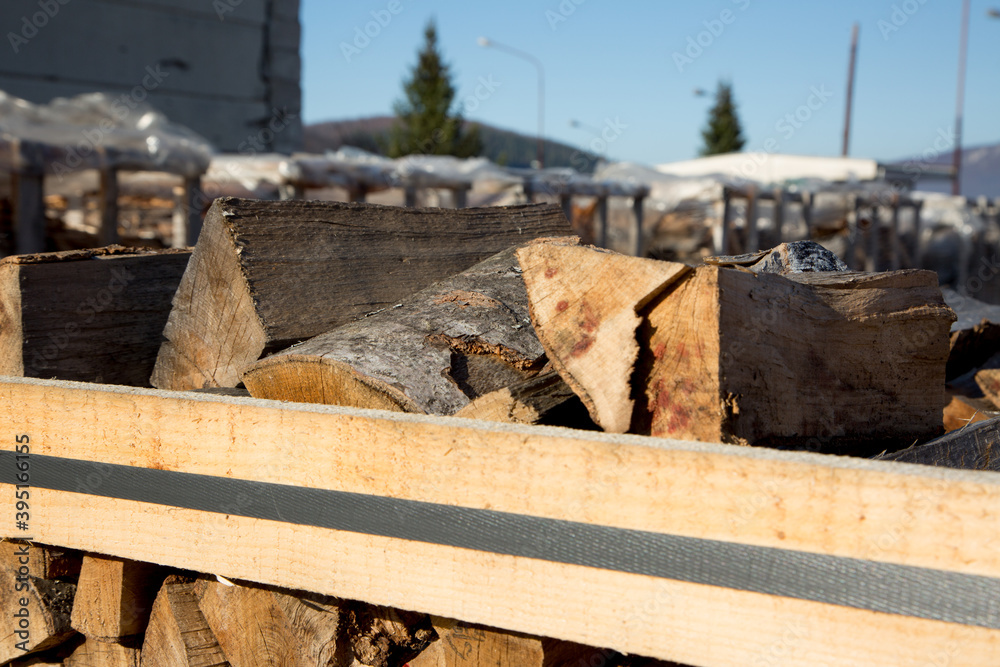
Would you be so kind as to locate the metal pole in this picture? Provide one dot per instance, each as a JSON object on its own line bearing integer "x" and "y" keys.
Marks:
{"x": 963, "y": 48}
{"x": 850, "y": 89}
{"x": 483, "y": 41}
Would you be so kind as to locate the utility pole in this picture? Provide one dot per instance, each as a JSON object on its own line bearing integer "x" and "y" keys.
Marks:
{"x": 850, "y": 89}
{"x": 963, "y": 49}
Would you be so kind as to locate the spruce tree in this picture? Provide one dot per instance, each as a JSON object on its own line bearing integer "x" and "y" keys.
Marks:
{"x": 425, "y": 123}
{"x": 723, "y": 133}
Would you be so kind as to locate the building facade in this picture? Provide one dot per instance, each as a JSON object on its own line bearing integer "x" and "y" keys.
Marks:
{"x": 228, "y": 69}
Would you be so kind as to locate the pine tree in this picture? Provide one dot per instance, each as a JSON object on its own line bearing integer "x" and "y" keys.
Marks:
{"x": 723, "y": 133}
{"x": 425, "y": 124}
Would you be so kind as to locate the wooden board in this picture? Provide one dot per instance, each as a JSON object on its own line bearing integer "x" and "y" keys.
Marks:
{"x": 807, "y": 559}
{"x": 265, "y": 275}
{"x": 91, "y": 315}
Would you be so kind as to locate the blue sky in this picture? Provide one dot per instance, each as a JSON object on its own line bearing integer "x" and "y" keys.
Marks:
{"x": 615, "y": 62}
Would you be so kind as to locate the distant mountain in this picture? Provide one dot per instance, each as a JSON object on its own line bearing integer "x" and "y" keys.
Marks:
{"x": 980, "y": 171}
{"x": 501, "y": 146}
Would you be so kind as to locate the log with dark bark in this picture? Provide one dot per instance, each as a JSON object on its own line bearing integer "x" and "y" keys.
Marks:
{"x": 87, "y": 315}
{"x": 432, "y": 353}
{"x": 265, "y": 275}
{"x": 974, "y": 447}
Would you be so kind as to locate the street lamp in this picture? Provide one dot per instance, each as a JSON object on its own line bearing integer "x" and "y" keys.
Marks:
{"x": 484, "y": 42}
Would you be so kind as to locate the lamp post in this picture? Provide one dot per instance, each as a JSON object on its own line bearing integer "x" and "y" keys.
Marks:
{"x": 484, "y": 42}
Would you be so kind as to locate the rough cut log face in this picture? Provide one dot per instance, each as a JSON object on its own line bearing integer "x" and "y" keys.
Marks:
{"x": 810, "y": 359}
{"x": 584, "y": 304}
{"x": 265, "y": 275}
{"x": 434, "y": 352}
{"x": 88, "y": 316}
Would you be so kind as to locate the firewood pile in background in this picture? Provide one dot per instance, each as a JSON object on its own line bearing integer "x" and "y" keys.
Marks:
{"x": 496, "y": 314}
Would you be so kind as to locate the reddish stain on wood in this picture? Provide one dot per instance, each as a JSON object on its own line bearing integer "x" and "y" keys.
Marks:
{"x": 670, "y": 409}
{"x": 659, "y": 350}
{"x": 582, "y": 346}
{"x": 551, "y": 271}
{"x": 562, "y": 305}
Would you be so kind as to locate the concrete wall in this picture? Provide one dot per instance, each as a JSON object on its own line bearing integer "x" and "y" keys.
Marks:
{"x": 228, "y": 69}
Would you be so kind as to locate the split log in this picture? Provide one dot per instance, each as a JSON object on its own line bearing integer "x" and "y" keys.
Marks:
{"x": 114, "y": 597}
{"x": 42, "y": 561}
{"x": 262, "y": 626}
{"x": 468, "y": 645}
{"x": 91, "y": 316}
{"x": 265, "y": 275}
{"x": 988, "y": 381}
{"x": 178, "y": 634}
{"x": 962, "y": 411}
{"x": 544, "y": 399}
{"x": 584, "y": 304}
{"x": 976, "y": 447}
{"x": 833, "y": 361}
{"x": 385, "y": 637}
{"x": 445, "y": 346}
{"x": 93, "y": 653}
{"x": 36, "y": 614}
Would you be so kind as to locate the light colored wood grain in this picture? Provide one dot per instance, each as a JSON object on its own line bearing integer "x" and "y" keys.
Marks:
{"x": 44, "y": 608}
{"x": 42, "y": 561}
{"x": 259, "y": 627}
{"x": 584, "y": 304}
{"x": 270, "y": 274}
{"x": 178, "y": 634}
{"x": 114, "y": 597}
{"x": 94, "y": 653}
{"x": 889, "y": 512}
{"x": 834, "y": 362}
{"x": 708, "y": 625}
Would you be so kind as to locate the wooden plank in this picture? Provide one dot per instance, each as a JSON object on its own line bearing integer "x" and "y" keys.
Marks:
{"x": 269, "y": 274}
{"x": 92, "y": 315}
{"x": 942, "y": 522}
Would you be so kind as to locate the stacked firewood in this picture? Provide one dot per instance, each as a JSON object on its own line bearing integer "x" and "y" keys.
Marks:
{"x": 497, "y": 314}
